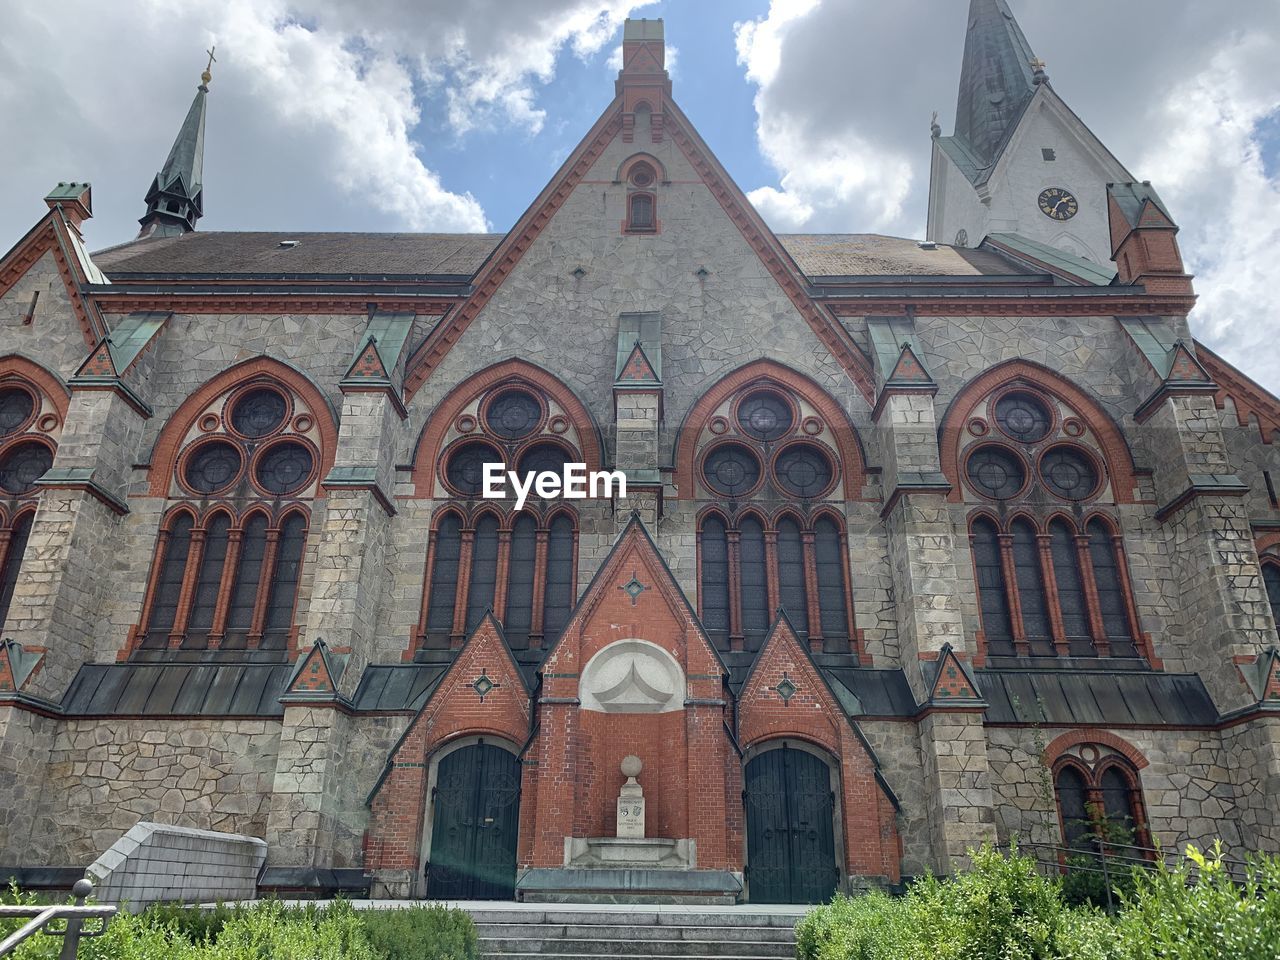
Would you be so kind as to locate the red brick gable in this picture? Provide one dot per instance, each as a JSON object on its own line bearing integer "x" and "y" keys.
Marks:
{"x": 482, "y": 693}
{"x": 786, "y": 697}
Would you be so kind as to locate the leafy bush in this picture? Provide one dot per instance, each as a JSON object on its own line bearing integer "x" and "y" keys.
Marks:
{"x": 1194, "y": 911}
{"x": 268, "y": 930}
{"x": 1002, "y": 909}
{"x": 421, "y": 933}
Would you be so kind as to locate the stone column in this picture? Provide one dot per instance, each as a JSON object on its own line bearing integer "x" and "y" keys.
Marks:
{"x": 1211, "y": 545}
{"x": 923, "y": 553}
{"x": 638, "y": 414}
{"x": 312, "y": 822}
{"x": 58, "y": 601}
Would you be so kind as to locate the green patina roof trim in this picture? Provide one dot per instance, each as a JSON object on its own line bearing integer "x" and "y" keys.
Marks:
{"x": 1086, "y": 271}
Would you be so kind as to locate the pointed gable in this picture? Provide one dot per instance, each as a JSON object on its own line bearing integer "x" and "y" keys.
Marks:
{"x": 637, "y": 369}
{"x": 701, "y": 178}
{"x": 1185, "y": 367}
{"x": 909, "y": 369}
{"x": 1263, "y": 678}
{"x": 16, "y": 665}
{"x": 368, "y": 363}
{"x": 54, "y": 236}
{"x": 785, "y": 694}
{"x": 99, "y": 363}
{"x": 634, "y": 595}
{"x": 316, "y": 675}
{"x": 950, "y": 681}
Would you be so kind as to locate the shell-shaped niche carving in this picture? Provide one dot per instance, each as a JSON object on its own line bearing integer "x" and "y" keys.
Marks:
{"x": 632, "y": 676}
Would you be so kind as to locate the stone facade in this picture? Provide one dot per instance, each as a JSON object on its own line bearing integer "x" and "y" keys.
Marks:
{"x": 314, "y": 701}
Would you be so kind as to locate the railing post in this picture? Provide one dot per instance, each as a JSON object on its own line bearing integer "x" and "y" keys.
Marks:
{"x": 82, "y": 890}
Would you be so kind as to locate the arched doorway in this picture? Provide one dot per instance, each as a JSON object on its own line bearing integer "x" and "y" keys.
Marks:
{"x": 791, "y": 848}
{"x": 474, "y": 826}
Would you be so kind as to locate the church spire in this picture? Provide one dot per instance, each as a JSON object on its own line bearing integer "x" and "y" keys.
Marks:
{"x": 999, "y": 76}
{"x": 175, "y": 200}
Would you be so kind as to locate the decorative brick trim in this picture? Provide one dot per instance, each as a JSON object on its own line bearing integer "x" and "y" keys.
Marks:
{"x": 1064, "y": 742}
{"x": 164, "y": 454}
{"x": 47, "y": 236}
{"x": 427, "y": 451}
{"x": 1252, "y": 402}
{"x": 852, "y": 464}
{"x": 1119, "y": 459}
{"x": 57, "y": 393}
{"x": 269, "y": 300}
{"x": 1052, "y": 303}
{"x": 512, "y": 249}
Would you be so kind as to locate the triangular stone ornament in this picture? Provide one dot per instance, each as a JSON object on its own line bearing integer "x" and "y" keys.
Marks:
{"x": 1263, "y": 677}
{"x": 909, "y": 369}
{"x": 317, "y": 673}
{"x": 637, "y": 368}
{"x": 16, "y": 665}
{"x": 100, "y": 363}
{"x": 1185, "y": 367}
{"x": 952, "y": 682}
{"x": 368, "y": 365}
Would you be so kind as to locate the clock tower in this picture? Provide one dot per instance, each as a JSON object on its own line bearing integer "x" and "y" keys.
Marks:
{"x": 1021, "y": 170}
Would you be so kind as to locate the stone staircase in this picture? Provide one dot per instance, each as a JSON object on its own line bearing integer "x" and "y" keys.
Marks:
{"x": 635, "y": 932}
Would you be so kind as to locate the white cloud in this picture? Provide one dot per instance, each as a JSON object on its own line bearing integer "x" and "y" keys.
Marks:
{"x": 845, "y": 89}
{"x": 308, "y": 96}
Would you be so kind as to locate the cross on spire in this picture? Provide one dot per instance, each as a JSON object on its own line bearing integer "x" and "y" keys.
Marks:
{"x": 207, "y": 75}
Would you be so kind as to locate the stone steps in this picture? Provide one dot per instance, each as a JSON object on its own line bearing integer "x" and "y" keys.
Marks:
{"x": 638, "y": 933}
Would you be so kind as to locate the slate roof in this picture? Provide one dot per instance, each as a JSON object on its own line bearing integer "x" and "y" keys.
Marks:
{"x": 235, "y": 254}
{"x": 996, "y": 79}
{"x": 178, "y": 689}
{"x": 1137, "y": 698}
{"x": 239, "y": 254}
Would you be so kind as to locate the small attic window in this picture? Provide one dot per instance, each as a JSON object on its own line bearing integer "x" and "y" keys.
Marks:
{"x": 1047, "y": 153}
{"x": 289, "y": 244}
{"x": 640, "y": 212}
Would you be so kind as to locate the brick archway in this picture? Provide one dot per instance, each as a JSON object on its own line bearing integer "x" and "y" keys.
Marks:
{"x": 164, "y": 454}
{"x": 515, "y": 371}
{"x": 843, "y": 436}
{"x": 1119, "y": 459}
{"x": 16, "y": 365}
{"x": 1073, "y": 738}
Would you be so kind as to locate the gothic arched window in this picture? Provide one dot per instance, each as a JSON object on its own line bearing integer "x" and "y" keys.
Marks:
{"x": 642, "y": 199}
{"x": 486, "y": 555}
{"x": 30, "y": 422}
{"x": 1270, "y": 581}
{"x": 767, "y": 543}
{"x": 1099, "y": 800}
{"x": 1049, "y": 565}
{"x": 228, "y": 564}
{"x": 13, "y": 543}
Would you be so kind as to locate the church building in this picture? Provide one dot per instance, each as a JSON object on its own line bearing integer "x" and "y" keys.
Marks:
{"x": 925, "y": 543}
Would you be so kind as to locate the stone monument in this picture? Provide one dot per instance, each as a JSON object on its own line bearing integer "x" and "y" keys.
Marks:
{"x": 631, "y": 801}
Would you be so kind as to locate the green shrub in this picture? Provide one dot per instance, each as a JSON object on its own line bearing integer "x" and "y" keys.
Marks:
{"x": 1194, "y": 911}
{"x": 421, "y": 933}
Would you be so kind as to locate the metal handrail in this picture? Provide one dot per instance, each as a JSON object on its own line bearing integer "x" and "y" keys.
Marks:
{"x": 42, "y": 916}
{"x": 1113, "y": 859}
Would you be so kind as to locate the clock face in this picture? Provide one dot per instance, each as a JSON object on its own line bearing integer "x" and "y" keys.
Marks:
{"x": 1058, "y": 204}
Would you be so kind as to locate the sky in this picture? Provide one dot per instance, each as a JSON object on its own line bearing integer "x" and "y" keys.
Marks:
{"x": 444, "y": 115}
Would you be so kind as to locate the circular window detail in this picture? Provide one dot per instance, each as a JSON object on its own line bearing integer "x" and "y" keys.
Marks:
{"x": 212, "y": 467}
{"x": 258, "y": 412}
{"x": 16, "y": 407}
{"x": 22, "y": 465}
{"x": 764, "y": 416}
{"x": 465, "y": 468}
{"x": 543, "y": 458}
{"x": 284, "y": 468}
{"x": 209, "y": 423}
{"x": 996, "y": 472}
{"x": 465, "y": 423}
{"x": 732, "y": 470}
{"x": 719, "y": 426}
{"x": 1069, "y": 473}
{"x": 1023, "y": 417}
{"x": 1073, "y": 427}
{"x": 642, "y": 175}
{"x": 558, "y": 424}
{"x": 48, "y": 423}
{"x": 803, "y": 470}
{"x": 978, "y": 427}
{"x": 513, "y": 414}
{"x": 812, "y": 426}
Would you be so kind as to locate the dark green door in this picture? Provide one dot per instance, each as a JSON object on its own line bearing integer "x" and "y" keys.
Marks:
{"x": 791, "y": 850}
{"x": 473, "y": 833}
